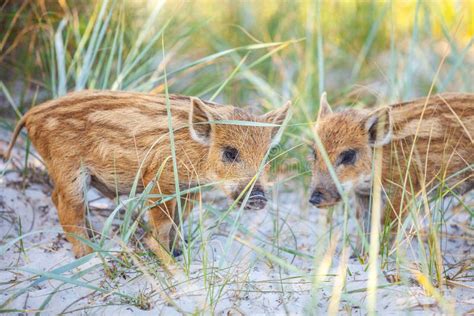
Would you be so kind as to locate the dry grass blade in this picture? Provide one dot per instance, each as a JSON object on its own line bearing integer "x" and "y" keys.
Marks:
{"x": 261, "y": 53}
{"x": 376, "y": 216}
{"x": 338, "y": 284}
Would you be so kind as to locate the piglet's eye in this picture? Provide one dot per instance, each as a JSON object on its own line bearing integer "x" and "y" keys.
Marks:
{"x": 347, "y": 157}
{"x": 230, "y": 154}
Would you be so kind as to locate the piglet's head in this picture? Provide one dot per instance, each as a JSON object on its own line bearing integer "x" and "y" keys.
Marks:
{"x": 237, "y": 144}
{"x": 348, "y": 138}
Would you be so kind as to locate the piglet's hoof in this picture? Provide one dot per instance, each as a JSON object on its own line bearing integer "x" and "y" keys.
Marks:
{"x": 80, "y": 250}
{"x": 392, "y": 277}
{"x": 160, "y": 252}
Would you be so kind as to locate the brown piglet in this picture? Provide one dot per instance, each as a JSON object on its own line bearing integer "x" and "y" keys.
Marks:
{"x": 425, "y": 143}
{"x": 107, "y": 138}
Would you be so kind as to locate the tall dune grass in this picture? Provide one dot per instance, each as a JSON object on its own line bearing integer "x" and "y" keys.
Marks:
{"x": 258, "y": 52}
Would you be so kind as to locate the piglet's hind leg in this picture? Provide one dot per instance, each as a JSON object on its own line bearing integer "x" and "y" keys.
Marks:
{"x": 71, "y": 213}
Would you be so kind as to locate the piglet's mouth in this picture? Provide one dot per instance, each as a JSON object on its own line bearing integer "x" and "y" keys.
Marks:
{"x": 256, "y": 203}
{"x": 326, "y": 205}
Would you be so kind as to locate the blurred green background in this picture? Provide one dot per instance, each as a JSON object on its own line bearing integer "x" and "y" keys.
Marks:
{"x": 257, "y": 53}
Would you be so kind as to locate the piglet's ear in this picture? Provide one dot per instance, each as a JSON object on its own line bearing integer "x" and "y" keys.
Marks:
{"x": 199, "y": 117}
{"x": 378, "y": 125}
{"x": 324, "y": 107}
{"x": 277, "y": 116}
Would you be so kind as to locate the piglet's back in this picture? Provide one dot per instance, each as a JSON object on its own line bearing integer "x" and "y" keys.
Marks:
{"x": 87, "y": 119}
{"x": 442, "y": 129}
{"x": 108, "y": 133}
{"x": 440, "y": 114}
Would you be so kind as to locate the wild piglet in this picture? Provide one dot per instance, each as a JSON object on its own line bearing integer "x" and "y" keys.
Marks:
{"x": 106, "y": 138}
{"x": 426, "y": 142}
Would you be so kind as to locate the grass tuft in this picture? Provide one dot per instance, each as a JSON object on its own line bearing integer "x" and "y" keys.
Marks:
{"x": 289, "y": 258}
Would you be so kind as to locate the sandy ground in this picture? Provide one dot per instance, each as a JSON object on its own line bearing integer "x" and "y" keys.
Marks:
{"x": 237, "y": 281}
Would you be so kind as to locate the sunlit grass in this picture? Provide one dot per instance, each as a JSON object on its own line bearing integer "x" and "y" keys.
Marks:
{"x": 263, "y": 52}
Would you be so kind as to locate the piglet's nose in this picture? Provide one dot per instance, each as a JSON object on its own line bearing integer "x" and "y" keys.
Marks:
{"x": 316, "y": 198}
{"x": 257, "y": 192}
{"x": 257, "y": 199}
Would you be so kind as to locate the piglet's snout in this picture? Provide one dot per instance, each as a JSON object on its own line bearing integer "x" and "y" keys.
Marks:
{"x": 323, "y": 198}
{"x": 257, "y": 199}
{"x": 316, "y": 198}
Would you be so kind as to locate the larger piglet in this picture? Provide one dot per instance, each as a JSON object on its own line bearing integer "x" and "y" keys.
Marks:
{"x": 107, "y": 138}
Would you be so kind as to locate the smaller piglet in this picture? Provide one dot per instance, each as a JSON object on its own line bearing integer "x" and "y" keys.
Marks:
{"x": 436, "y": 131}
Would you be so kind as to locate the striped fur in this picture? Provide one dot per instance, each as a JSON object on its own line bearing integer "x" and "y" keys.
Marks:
{"x": 439, "y": 129}
{"x": 108, "y": 138}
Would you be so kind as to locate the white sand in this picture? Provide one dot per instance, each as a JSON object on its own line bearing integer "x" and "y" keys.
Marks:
{"x": 246, "y": 282}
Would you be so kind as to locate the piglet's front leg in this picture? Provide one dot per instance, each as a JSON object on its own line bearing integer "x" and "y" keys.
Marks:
{"x": 187, "y": 204}
{"x": 161, "y": 223}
